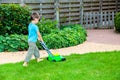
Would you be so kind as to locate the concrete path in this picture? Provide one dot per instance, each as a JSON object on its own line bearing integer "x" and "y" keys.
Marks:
{"x": 104, "y": 36}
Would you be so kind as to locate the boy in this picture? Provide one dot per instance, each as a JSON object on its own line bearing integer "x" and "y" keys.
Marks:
{"x": 33, "y": 35}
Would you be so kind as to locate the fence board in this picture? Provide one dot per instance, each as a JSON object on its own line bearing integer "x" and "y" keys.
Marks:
{"x": 10, "y": 1}
{"x": 66, "y": 1}
{"x": 105, "y": 19}
{"x": 31, "y": 1}
{"x": 89, "y": 13}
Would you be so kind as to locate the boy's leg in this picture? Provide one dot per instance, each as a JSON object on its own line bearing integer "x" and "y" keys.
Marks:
{"x": 30, "y": 52}
{"x": 36, "y": 52}
{"x": 37, "y": 55}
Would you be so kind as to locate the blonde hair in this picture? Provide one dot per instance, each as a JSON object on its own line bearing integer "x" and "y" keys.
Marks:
{"x": 34, "y": 15}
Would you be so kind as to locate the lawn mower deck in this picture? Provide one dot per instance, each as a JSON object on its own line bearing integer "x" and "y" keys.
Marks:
{"x": 52, "y": 57}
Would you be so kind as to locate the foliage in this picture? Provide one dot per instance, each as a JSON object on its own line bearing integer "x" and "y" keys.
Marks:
{"x": 14, "y": 19}
{"x": 2, "y": 46}
{"x": 91, "y": 66}
{"x": 117, "y": 22}
{"x": 13, "y": 43}
{"x": 46, "y": 26}
{"x": 70, "y": 35}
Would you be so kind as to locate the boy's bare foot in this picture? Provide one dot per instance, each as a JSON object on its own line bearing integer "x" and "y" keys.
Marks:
{"x": 39, "y": 59}
{"x": 25, "y": 64}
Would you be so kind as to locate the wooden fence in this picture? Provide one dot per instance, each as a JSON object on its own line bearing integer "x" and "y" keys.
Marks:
{"x": 100, "y": 13}
{"x": 89, "y": 13}
{"x": 99, "y": 20}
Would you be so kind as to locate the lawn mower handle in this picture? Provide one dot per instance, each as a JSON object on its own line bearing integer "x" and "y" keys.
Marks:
{"x": 45, "y": 47}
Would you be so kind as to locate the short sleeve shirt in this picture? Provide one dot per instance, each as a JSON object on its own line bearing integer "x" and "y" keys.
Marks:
{"x": 32, "y": 32}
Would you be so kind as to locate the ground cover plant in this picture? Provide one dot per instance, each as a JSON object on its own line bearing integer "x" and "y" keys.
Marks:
{"x": 92, "y": 66}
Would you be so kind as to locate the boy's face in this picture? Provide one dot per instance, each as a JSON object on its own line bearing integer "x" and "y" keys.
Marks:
{"x": 36, "y": 20}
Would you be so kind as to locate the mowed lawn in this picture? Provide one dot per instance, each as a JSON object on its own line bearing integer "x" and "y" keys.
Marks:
{"x": 91, "y": 66}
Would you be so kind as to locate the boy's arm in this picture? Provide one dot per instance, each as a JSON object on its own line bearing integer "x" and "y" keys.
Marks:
{"x": 39, "y": 36}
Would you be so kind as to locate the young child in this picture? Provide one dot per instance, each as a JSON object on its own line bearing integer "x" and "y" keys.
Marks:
{"x": 33, "y": 35}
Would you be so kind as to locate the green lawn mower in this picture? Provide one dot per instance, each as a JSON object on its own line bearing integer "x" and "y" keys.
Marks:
{"x": 52, "y": 57}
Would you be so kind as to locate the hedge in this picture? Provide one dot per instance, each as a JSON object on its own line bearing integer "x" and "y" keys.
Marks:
{"x": 47, "y": 26}
{"x": 117, "y": 22}
{"x": 13, "y": 43}
{"x": 14, "y": 19}
{"x": 68, "y": 36}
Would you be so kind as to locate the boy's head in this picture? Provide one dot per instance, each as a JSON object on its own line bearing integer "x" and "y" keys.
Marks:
{"x": 35, "y": 17}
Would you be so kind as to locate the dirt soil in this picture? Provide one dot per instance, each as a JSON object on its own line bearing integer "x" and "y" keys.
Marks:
{"x": 97, "y": 41}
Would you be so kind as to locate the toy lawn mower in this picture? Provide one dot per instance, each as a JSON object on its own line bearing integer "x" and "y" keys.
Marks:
{"x": 52, "y": 57}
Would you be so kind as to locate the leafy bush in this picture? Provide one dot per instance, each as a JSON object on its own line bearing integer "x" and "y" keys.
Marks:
{"x": 13, "y": 43}
{"x": 47, "y": 26}
{"x": 14, "y": 19}
{"x": 68, "y": 36}
{"x": 2, "y": 46}
{"x": 117, "y": 22}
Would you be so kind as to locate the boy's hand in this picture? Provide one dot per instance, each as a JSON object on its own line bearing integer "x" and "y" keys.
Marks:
{"x": 40, "y": 40}
{"x": 39, "y": 36}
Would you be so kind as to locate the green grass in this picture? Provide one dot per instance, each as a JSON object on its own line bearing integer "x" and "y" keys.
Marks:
{"x": 92, "y": 66}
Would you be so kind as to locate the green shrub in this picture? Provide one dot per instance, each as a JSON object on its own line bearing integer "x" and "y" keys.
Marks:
{"x": 14, "y": 19}
{"x": 2, "y": 46}
{"x": 68, "y": 36}
{"x": 47, "y": 26}
{"x": 13, "y": 43}
{"x": 117, "y": 22}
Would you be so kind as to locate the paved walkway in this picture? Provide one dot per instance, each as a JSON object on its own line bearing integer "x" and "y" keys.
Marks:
{"x": 97, "y": 41}
{"x": 104, "y": 36}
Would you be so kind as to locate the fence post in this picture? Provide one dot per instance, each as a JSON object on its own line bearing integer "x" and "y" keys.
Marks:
{"x": 116, "y": 5}
{"x": 81, "y": 12}
{"x": 57, "y": 13}
{"x": 0, "y": 1}
{"x": 40, "y": 8}
{"x": 105, "y": 17}
{"x": 100, "y": 13}
{"x": 113, "y": 19}
{"x": 69, "y": 12}
{"x": 109, "y": 23}
{"x": 22, "y": 3}
{"x": 86, "y": 21}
